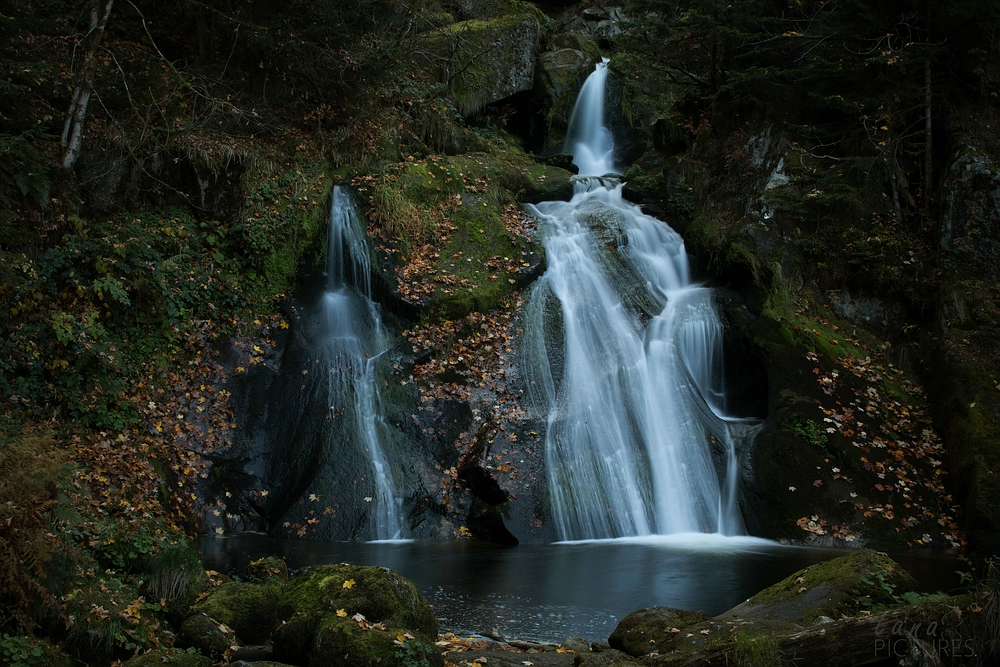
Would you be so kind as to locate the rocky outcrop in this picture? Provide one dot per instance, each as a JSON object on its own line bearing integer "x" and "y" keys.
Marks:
{"x": 484, "y": 61}
{"x": 970, "y": 224}
{"x": 848, "y": 611}
{"x": 650, "y": 630}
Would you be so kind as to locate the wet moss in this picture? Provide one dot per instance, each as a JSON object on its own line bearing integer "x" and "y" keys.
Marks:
{"x": 270, "y": 569}
{"x": 843, "y": 586}
{"x": 652, "y": 630}
{"x": 205, "y": 635}
{"x": 251, "y": 610}
{"x": 323, "y": 605}
{"x": 462, "y": 206}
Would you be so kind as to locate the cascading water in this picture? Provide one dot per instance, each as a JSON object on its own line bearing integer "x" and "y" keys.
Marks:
{"x": 623, "y": 357}
{"x": 354, "y": 344}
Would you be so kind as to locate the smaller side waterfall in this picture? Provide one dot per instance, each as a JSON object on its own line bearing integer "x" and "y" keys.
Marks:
{"x": 354, "y": 345}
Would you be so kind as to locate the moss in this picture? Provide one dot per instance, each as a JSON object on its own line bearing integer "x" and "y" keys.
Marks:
{"x": 842, "y": 586}
{"x": 270, "y": 569}
{"x": 471, "y": 196}
{"x": 754, "y": 651}
{"x": 176, "y": 658}
{"x": 477, "y": 71}
{"x": 284, "y": 214}
{"x": 652, "y": 630}
{"x": 321, "y": 605}
{"x": 205, "y": 635}
{"x": 251, "y": 610}
{"x": 343, "y": 642}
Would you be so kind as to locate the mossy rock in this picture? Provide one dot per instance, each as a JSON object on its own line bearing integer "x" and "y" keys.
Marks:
{"x": 344, "y": 642}
{"x": 650, "y": 630}
{"x": 170, "y": 657}
{"x": 611, "y": 658}
{"x": 207, "y": 636}
{"x": 268, "y": 570}
{"x": 833, "y": 588}
{"x": 466, "y": 57}
{"x": 475, "y": 193}
{"x": 251, "y": 610}
{"x": 322, "y": 607}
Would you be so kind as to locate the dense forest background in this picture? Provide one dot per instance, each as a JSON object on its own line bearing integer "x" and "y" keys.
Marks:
{"x": 165, "y": 169}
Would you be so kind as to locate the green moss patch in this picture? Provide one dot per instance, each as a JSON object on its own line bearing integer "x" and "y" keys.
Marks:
{"x": 370, "y": 614}
{"x": 842, "y": 586}
{"x": 652, "y": 630}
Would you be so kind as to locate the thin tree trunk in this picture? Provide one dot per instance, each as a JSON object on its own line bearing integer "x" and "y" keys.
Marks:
{"x": 928, "y": 138}
{"x": 72, "y": 135}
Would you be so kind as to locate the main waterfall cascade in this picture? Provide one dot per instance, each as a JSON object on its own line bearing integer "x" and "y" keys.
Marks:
{"x": 623, "y": 356}
{"x": 353, "y": 347}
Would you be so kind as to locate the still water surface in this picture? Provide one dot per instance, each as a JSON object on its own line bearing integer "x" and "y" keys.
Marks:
{"x": 548, "y": 592}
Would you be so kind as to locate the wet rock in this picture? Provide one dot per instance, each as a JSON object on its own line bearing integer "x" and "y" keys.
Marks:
{"x": 355, "y": 616}
{"x": 576, "y": 644}
{"x": 609, "y": 658}
{"x": 268, "y": 570}
{"x": 842, "y": 586}
{"x": 202, "y": 633}
{"x": 652, "y": 630}
{"x": 561, "y": 160}
{"x": 970, "y": 224}
{"x": 500, "y": 658}
{"x": 250, "y": 610}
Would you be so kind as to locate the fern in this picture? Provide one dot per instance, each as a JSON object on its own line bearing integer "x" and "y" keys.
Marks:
{"x": 30, "y": 468}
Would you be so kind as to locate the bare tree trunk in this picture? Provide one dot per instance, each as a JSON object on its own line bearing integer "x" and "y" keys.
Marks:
{"x": 928, "y": 138}
{"x": 72, "y": 136}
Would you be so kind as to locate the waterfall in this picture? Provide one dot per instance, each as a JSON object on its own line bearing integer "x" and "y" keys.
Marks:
{"x": 588, "y": 140}
{"x": 353, "y": 347}
{"x": 623, "y": 357}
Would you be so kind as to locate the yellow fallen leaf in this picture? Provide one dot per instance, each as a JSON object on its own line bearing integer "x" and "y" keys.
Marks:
{"x": 341, "y": 613}
{"x": 348, "y": 583}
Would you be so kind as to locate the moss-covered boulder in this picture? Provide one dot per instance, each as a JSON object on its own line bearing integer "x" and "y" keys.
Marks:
{"x": 251, "y": 610}
{"x": 169, "y": 657}
{"x": 834, "y": 588}
{"x": 611, "y": 658}
{"x": 268, "y": 570}
{"x": 484, "y": 61}
{"x": 355, "y": 616}
{"x": 650, "y": 630}
{"x": 206, "y": 635}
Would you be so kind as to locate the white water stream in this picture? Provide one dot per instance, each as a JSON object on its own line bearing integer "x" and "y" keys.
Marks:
{"x": 623, "y": 357}
{"x": 355, "y": 342}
